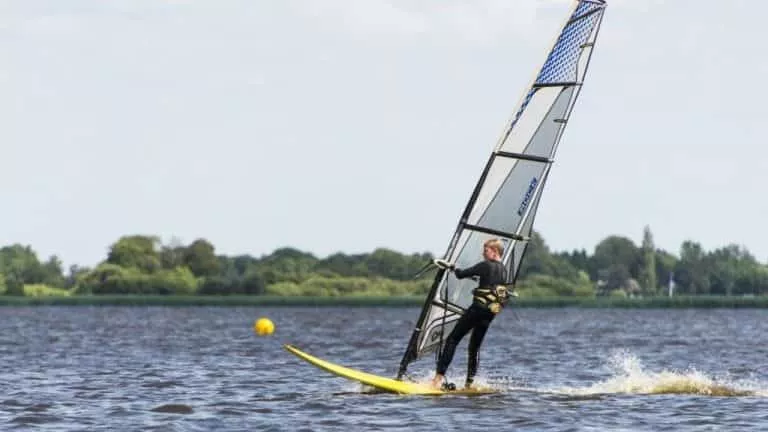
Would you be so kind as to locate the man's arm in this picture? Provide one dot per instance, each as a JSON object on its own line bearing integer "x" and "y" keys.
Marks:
{"x": 471, "y": 271}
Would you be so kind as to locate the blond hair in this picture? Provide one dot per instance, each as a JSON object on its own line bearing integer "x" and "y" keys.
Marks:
{"x": 496, "y": 245}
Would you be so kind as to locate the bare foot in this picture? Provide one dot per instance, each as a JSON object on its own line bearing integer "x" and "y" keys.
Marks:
{"x": 437, "y": 381}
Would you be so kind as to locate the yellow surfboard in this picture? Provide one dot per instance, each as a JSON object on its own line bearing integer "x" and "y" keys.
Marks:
{"x": 381, "y": 383}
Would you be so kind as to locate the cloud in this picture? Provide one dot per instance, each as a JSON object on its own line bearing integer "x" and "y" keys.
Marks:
{"x": 373, "y": 17}
{"x": 479, "y": 22}
{"x": 50, "y": 25}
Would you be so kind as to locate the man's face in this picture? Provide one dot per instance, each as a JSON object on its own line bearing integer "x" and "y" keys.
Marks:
{"x": 487, "y": 252}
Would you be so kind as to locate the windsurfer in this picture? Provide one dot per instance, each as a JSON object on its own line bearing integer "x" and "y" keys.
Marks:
{"x": 489, "y": 298}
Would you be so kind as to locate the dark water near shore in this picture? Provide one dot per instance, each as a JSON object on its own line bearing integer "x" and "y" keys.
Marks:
{"x": 203, "y": 368}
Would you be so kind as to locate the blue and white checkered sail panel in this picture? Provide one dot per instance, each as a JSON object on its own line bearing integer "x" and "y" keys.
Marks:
{"x": 506, "y": 198}
{"x": 563, "y": 59}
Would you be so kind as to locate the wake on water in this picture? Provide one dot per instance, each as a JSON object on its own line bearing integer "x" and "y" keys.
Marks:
{"x": 629, "y": 377}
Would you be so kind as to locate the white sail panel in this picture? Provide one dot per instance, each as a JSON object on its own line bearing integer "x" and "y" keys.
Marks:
{"x": 497, "y": 173}
{"x": 543, "y": 141}
{"x": 437, "y": 326}
{"x": 505, "y": 210}
{"x": 517, "y": 250}
{"x": 537, "y": 105}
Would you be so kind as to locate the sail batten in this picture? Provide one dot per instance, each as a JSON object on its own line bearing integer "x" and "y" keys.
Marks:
{"x": 557, "y": 84}
{"x": 507, "y": 196}
{"x": 524, "y": 156}
{"x": 509, "y": 235}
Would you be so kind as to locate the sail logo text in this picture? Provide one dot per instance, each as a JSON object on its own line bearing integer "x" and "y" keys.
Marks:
{"x": 528, "y": 195}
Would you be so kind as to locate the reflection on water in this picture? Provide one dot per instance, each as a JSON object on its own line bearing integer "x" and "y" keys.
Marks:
{"x": 198, "y": 368}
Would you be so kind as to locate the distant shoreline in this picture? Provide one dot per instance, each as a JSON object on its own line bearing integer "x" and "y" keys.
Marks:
{"x": 365, "y": 301}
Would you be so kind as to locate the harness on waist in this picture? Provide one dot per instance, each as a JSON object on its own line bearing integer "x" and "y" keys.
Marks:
{"x": 494, "y": 298}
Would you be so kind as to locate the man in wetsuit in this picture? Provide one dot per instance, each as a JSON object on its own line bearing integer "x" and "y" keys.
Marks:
{"x": 489, "y": 298}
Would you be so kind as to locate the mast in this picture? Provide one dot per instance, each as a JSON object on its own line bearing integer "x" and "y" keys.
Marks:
{"x": 506, "y": 197}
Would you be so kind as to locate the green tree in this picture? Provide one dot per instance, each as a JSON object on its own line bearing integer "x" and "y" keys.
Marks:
{"x": 252, "y": 283}
{"x": 110, "y": 278}
{"x": 22, "y": 264}
{"x": 240, "y": 264}
{"x": 177, "y": 281}
{"x": 387, "y": 263}
{"x": 665, "y": 265}
{"x": 14, "y": 285}
{"x": 648, "y": 271}
{"x": 344, "y": 265}
{"x": 54, "y": 275}
{"x": 172, "y": 254}
{"x": 219, "y": 285}
{"x": 733, "y": 270}
{"x": 136, "y": 251}
{"x": 286, "y": 264}
{"x": 539, "y": 260}
{"x": 691, "y": 271}
{"x": 541, "y": 285}
{"x": 752, "y": 280}
{"x": 103, "y": 279}
{"x": 75, "y": 273}
{"x": 201, "y": 259}
{"x": 577, "y": 258}
{"x": 615, "y": 251}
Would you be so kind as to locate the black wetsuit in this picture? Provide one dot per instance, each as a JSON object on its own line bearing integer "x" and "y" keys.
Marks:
{"x": 477, "y": 318}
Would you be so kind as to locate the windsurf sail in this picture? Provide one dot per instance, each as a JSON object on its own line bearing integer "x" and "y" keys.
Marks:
{"x": 505, "y": 200}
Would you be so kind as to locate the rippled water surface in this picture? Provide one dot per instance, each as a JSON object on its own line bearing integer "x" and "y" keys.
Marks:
{"x": 201, "y": 369}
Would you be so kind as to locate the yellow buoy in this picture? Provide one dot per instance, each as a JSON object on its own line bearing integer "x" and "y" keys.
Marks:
{"x": 263, "y": 326}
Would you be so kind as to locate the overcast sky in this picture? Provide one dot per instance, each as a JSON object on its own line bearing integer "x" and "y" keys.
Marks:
{"x": 346, "y": 125}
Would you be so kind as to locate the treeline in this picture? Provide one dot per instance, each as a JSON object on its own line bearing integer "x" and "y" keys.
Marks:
{"x": 139, "y": 264}
{"x": 618, "y": 266}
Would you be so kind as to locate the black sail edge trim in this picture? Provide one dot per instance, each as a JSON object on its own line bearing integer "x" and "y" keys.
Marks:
{"x": 523, "y": 156}
{"x": 557, "y": 84}
{"x": 496, "y": 232}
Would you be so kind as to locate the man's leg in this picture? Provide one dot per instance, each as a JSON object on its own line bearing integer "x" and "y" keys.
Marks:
{"x": 483, "y": 322}
{"x": 464, "y": 324}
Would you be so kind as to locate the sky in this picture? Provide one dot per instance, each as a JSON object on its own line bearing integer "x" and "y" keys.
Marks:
{"x": 344, "y": 126}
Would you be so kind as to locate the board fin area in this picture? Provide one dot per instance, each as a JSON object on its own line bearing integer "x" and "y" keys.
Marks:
{"x": 380, "y": 383}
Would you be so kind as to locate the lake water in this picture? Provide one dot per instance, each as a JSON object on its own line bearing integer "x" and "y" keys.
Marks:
{"x": 204, "y": 369}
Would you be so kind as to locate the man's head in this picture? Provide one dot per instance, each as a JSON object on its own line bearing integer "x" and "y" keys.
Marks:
{"x": 493, "y": 249}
